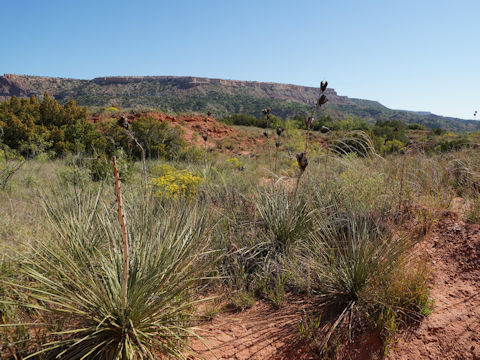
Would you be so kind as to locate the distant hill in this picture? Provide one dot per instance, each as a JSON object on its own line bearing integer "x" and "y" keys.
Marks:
{"x": 221, "y": 97}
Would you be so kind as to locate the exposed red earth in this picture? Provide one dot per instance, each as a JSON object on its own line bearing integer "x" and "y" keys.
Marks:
{"x": 452, "y": 330}
{"x": 193, "y": 126}
{"x": 261, "y": 332}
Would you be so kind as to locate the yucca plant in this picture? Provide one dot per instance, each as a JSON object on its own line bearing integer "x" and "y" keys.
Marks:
{"x": 286, "y": 219}
{"x": 13, "y": 340}
{"x": 82, "y": 289}
{"x": 351, "y": 251}
{"x": 352, "y": 256}
{"x": 266, "y": 113}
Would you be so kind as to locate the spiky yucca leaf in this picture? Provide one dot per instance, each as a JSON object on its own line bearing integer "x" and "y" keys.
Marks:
{"x": 350, "y": 253}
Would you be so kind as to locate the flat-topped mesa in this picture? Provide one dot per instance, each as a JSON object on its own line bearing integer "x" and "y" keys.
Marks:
{"x": 27, "y": 85}
{"x": 9, "y": 76}
{"x": 16, "y": 77}
{"x": 29, "y": 82}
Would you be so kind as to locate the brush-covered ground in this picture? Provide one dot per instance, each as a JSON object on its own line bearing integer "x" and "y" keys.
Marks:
{"x": 233, "y": 255}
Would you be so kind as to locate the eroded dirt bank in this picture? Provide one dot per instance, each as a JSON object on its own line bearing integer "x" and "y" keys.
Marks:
{"x": 452, "y": 330}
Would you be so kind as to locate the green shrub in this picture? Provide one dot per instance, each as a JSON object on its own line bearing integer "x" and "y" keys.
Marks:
{"x": 243, "y": 119}
{"x": 437, "y": 131}
{"x": 101, "y": 167}
{"x": 458, "y": 143}
{"x": 31, "y": 127}
{"x": 415, "y": 126}
{"x": 233, "y": 163}
{"x": 392, "y": 146}
{"x": 159, "y": 138}
{"x": 74, "y": 175}
{"x": 191, "y": 154}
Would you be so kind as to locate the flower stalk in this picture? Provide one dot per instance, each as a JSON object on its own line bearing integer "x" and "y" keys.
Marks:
{"x": 302, "y": 157}
{"x": 123, "y": 122}
{"x": 277, "y": 146}
{"x": 205, "y": 138}
{"x": 121, "y": 219}
{"x": 266, "y": 113}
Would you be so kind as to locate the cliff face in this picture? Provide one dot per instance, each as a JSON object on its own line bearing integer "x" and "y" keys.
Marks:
{"x": 219, "y": 96}
{"x": 25, "y": 86}
{"x": 9, "y": 86}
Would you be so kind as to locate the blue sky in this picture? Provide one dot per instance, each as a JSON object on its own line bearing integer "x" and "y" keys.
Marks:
{"x": 411, "y": 54}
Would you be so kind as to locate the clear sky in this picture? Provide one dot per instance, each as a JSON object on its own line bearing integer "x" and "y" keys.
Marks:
{"x": 410, "y": 54}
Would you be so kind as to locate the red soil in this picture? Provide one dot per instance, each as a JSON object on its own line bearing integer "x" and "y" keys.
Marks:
{"x": 452, "y": 330}
{"x": 220, "y": 136}
{"x": 192, "y": 125}
{"x": 261, "y": 332}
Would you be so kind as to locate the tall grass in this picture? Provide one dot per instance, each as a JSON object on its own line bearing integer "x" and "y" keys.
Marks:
{"x": 349, "y": 251}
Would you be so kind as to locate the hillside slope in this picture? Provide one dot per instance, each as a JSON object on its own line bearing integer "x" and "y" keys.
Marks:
{"x": 221, "y": 97}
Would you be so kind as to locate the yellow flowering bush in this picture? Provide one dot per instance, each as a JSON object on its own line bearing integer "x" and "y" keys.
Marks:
{"x": 172, "y": 183}
{"x": 112, "y": 109}
{"x": 233, "y": 163}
